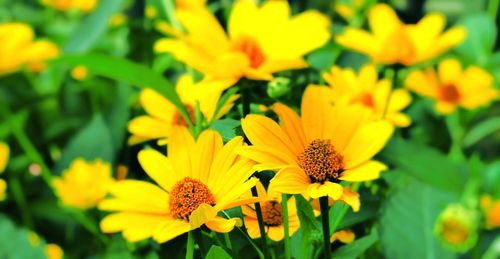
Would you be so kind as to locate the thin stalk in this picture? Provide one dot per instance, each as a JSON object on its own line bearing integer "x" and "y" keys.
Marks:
{"x": 323, "y": 203}
{"x": 227, "y": 239}
{"x": 394, "y": 81}
{"x": 259, "y": 253}
{"x": 493, "y": 8}
{"x": 169, "y": 8}
{"x": 284, "y": 208}
{"x": 199, "y": 239}
{"x": 456, "y": 133}
{"x": 190, "y": 246}
{"x": 342, "y": 213}
{"x": 18, "y": 194}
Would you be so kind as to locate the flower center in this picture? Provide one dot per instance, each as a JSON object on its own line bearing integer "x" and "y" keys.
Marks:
{"x": 187, "y": 195}
{"x": 272, "y": 213}
{"x": 399, "y": 47}
{"x": 366, "y": 99}
{"x": 321, "y": 162}
{"x": 449, "y": 93}
{"x": 179, "y": 120}
{"x": 454, "y": 232}
{"x": 251, "y": 49}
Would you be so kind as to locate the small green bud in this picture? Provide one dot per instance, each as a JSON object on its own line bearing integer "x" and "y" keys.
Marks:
{"x": 278, "y": 87}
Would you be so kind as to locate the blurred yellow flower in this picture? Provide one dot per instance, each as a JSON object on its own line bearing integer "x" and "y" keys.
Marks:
{"x": 84, "y": 183}
{"x": 4, "y": 156}
{"x": 53, "y": 251}
{"x": 345, "y": 236}
{"x": 365, "y": 89}
{"x": 79, "y": 73}
{"x": 347, "y": 9}
{"x": 315, "y": 152}
{"x": 118, "y": 19}
{"x": 65, "y": 5}
{"x": 150, "y": 11}
{"x": 392, "y": 41}
{"x": 456, "y": 227}
{"x": 162, "y": 115}
{"x": 261, "y": 40}
{"x": 451, "y": 86}
{"x": 197, "y": 180}
{"x": 189, "y": 4}
{"x": 3, "y": 189}
{"x": 272, "y": 215}
{"x": 18, "y": 48}
{"x": 491, "y": 210}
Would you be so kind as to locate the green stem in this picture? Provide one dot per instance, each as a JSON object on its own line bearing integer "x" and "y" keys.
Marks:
{"x": 227, "y": 239}
{"x": 190, "y": 246}
{"x": 201, "y": 243}
{"x": 259, "y": 253}
{"x": 169, "y": 8}
{"x": 342, "y": 213}
{"x": 394, "y": 73}
{"x": 325, "y": 217}
{"x": 284, "y": 208}
{"x": 493, "y": 8}
{"x": 260, "y": 219}
{"x": 456, "y": 133}
{"x": 18, "y": 194}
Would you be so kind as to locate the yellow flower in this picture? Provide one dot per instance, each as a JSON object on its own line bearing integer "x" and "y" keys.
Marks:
{"x": 451, "y": 86}
{"x": 118, "y": 19}
{"x": 65, "y": 5}
{"x": 491, "y": 210}
{"x": 261, "y": 40}
{"x": 84, "y": 183}
{"x": 18, "y": 48}
{"x": 150, "y": 11}
{"x": 345, "y": 236}
{"x": 4, "y": 156}
{"x": 3, "y": 189}
{"x": 314, "y": 153}
{"x": 162, "y": 115}
{"x": 272, "y": 214}
{"x": 365, "y": 89}
{"x": 79, "y": 73}
{"x": 392, "y": 41}
{"x": 190, "y": 4}
{"x": 54, "y": 251}
{"x": 197, "y": 180}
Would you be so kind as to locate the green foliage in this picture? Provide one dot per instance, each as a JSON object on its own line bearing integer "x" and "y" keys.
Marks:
{"x": 357, "y": 247}
{"x": 482, "y": 32}
{"x": 15, "y": 242}
{"x": 217, "y": 252}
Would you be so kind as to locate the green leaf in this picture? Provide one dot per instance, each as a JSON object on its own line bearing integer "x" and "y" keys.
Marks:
{"x": 480, "y": 40}
{"x": 128, "y": 72}
{"x": 310, "y": 229}
{"x": 482, "y": 130}
{"x": 217, "y": 252}
{"x": 226, "y": 128}
{"x": 92, "y": 142}
{"x": 93, "y": 27}
{"x": 356, "y": 248}
{"x": 117, "y": 118}
{"x": 15, "y": 244}
{"x": 407, "y": 221}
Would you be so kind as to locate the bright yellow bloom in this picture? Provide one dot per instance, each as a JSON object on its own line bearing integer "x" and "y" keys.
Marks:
{"x": 162, "y": 115}
{"x": 65, "y": 5}
{"x": 392, "y": 41}
{"x": 314, "y": 153}
{"x": 261, "y": 40}
{"x": 4, "y": 156}
{"x": 345, "y": 236}
{"x": 84, "y": 183}
{"x": 197, "y": 180}
{"x": 79, "y": 73}
{"x": 18, "y": 48}
{"x": 272, "y": 215}
{"x": 491, "y": 210}
{"x": 365, "y": 89}
{"x": 54, "y": 251}
{"x": 451, "y": 86}
{"x": 3, "y": 189}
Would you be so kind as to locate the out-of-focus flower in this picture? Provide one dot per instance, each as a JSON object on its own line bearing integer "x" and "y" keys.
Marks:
{"x": 272, "y": 215}
{"x": 79, "y": 73}
{"x": 84, "y": 183}
{"x": 257, "y": 45}
{"x": 53, "y": 251}
{"x": 456, "y": 227}
{"x": 491, "y": 210}
{"x": 4, "y": 156}
{"x": 349, "y": 8}
{"x": 345, "y": 236}
{"x": 18, "y": 48}
{"x": 150, "y": 11}
{"x": 65, "y": 5}
{"x": 451, "y": 86}
{"x": 3, "y": 189}
{"x": 392, "y": 41}
{"x": 162, "y": 115}
{"x": 118, "y": 19}
{"x": 197, "y": 180}
{"x": 189, "y": 4}
{"x": 315, "y": 152}
{"x": 365, "y": 89}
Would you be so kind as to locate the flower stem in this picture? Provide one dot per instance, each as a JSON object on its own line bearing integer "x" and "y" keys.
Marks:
{"x": 18, "y": 194}
{"x": 284, "y": 208}
{"x": 341, "y": 216}
{"x": 325, "y": 217}
{"x": 227, "y": 239}
{"x": 190, "y": 246}
{"x": 456, "y": 133}
{"x": 169, "y": 8}
{"x": 199, "y": 239}
{"x": 493, "y": 8}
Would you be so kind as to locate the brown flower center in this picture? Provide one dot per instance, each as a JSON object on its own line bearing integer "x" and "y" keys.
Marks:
{"x": 179, "y": 120}
{"x": 250, "y": 47}
{"x": 272, "y": 213}
{"x": 187, "y": 195}
{"x": 454, "y": 232}
{"x": 321, "y": 161}
{"x": 449, "y": 93}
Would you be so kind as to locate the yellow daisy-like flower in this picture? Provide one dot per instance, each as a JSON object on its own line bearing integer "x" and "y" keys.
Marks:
{"x": 451, "y": 86}
{"x": 367, "y": 90}
{"x": 84, "y": 183}
{"x": 491, "y": 210}
{"x": 65, "y": 5}
{"x": 162, "y": 115}
{"x": 392, "y": 41}
{"x": 258, "y": 42}
{"x": 315, "y": 152}
{"x": 53, "y": 251}
{"x": 18, "y": 48}
{"x": 197, "y": 180}
{"x": 272, "y": 215}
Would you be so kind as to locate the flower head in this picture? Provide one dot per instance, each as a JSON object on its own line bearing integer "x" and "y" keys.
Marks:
{"x": 391, "y": 41}
{"x": 456, "y": 227}
{"x": 84, "y": 183}
{"x": 65, "y": 5}
{"x": 452, "y": 86}
{"x": 257, "y": 44}
{"x": 314, "y": 153}
{"x": 162, "y": 115}
{"x": 491, "y": 210}
{"x": 197, "y": 180}
{"x": 272, "y": 214}
{"x": 4, "y": 156}
{"x": 364, "y": 88}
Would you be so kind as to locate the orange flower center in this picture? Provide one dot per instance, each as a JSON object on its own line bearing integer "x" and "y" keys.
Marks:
{"x": 250, "y": 47}
{"x": 454, "y": 232}
{"x": 366, "y": 99}
{"x": 449, "y": 93}
{"x": 179, "y": 120}
{"x": 272, "y": 213}
{"x": 187, "y": 195}
{"x": 399, "y": 48}
{"x": 321, "y": 162}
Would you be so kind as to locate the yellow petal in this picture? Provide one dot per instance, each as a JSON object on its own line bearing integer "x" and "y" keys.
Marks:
{"x": 201, "y": 215}
{"x": 351, "y": 198}
{"x": 445, "y": 107}
{"x": 333, "y": 190}
{"x": 207, "y": 146}
{"x": 156, "y": 105}
{"x": 223, "y": 162}
{"x": 422, "y": 83}
{"x": 181, "y": 145}
{"x": 317, "y": 106}
{"x": 150, "y": 196}
{"x": 365, "y": 172}
{"x": 383, "y": 21}
{"x": 146, "y": 127}
{"x": 276, "y": 233}
{"x": 172, "y": 229}
{"x": 158, "y": 167}
{"x": 449, "y": 71}
{"x": 135, "y": 226}
{"x": 222, "y": 225}
{"x": 265, "y": 156}
{"x": 359, "y": 40}
{"x": 291, "y": 124}
{"x": 291, "y": 180}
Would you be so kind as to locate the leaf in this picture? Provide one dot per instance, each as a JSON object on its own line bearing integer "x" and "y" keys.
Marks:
{"x": 93, "y": 27}
{"x": 226, "y": 128}
{"x": 15, "y": 242}
{"x": 480, "y": 40}
{"x": 118, "y": 116}
{"x": 128, "y": 72}
{"x": 425, "y": 164}
{"x": 217, "y": 252}
{"x": 356, "y": 248}
{"x": 407, "y": 222}
{"x": 310, "y": 229}
{"x": 482, "y": 130}
{"x": 92, "y": 142}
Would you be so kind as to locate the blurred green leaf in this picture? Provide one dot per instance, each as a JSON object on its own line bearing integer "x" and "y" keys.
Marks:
{"x": 15, "y": 242}
{"x": 491, "y": 178}
{"x": 480, "y": 40}
{"x": 217, "y": 252}
{"x": 226, "y": 128}
{"x": 356, "y": 248}
{"x": 118, "y": 116}
{"x": 482, "y": 130}
{"x": 310, "y": 228}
